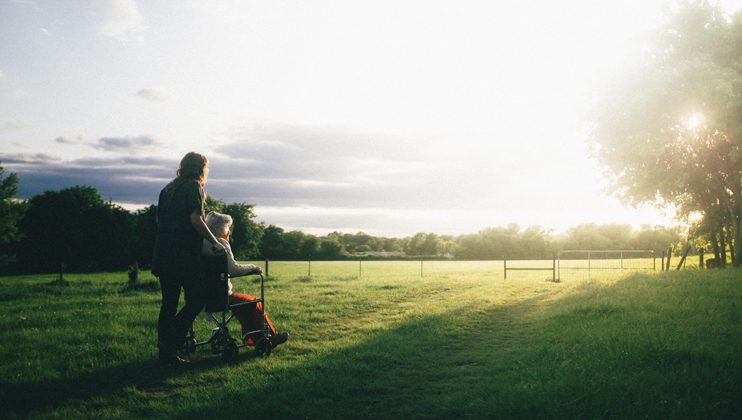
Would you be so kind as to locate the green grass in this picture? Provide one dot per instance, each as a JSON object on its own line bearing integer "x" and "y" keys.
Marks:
{"x": 455, "y": 343}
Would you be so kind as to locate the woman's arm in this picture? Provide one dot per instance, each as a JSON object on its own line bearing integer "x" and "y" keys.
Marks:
{"x": 198, "y": 223}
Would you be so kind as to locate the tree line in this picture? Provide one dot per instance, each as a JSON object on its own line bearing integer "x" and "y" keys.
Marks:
{"x": 75, "y": 230}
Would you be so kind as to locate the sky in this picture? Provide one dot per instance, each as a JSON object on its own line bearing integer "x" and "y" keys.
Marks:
{"x": 387, "y": 117}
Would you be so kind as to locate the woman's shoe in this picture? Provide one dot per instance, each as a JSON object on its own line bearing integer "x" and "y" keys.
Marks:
{"x": 172, "y": 360}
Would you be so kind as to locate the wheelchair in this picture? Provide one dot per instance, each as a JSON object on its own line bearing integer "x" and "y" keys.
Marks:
{"x": 220, "y": 340}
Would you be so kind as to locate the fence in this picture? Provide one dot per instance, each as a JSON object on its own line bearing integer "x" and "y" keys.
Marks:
{"x": 529, "y": 267}
{"x": 565, "y": 264}
{"x": 400, "y": 268}
{"x": 363, "y": 268}
{"x": 587, "y": 262}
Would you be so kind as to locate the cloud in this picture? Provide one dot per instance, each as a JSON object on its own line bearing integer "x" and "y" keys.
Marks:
{"x": 155, "y": 95}
{"x": 125, "y": 180}
{"x": 15, "y": 125}
{"x": 119, "y": 19}
{"x": 27, "y": 158}
{"x": 67, "y": 140}
{"x": 329, "y": 169}
{"x": 127, "y": 144}
{"x": 329, "y": 166}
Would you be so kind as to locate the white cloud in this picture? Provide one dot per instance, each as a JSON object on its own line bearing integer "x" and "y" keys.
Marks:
{"x": 155, "y": 95}
{"x": 27, "y": 158}
{"x": 15, "y": 125}
{"x": 119, "y": 19}
{"x": 126, "y": 144}
{"x": 67, "y": 140}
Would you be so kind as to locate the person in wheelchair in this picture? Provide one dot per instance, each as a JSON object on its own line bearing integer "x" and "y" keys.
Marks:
{"x": 251, "y": 320}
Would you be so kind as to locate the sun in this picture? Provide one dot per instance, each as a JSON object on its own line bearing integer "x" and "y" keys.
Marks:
{"x": 698, "y": 120}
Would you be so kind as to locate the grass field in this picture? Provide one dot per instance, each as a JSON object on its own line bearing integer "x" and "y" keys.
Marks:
{"x": 447, "y": 344}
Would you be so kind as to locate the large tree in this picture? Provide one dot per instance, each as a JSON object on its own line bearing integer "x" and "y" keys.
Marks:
{"x": 10, "y": 212}
{"x": 145, "y": 235}
{"x": 667, "y": 127}
{"x": 75, "y": 227}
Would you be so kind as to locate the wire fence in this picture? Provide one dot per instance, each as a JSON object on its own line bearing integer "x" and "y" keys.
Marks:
{"x": 496, "y": 269}
{"x": 579, "y": 264}
{"x": 565, "y": 265}
{"x": 376, "y": 268}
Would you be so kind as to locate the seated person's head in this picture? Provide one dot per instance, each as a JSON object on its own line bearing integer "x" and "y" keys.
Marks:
{"x": 219, "y": 224}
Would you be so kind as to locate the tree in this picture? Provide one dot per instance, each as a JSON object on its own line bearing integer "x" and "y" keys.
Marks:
{"x": 657, "y": 238}
{"x": 213, "y": 204}
{"x": 145, "y": 235}
{"x": 11, "y": 212}
{"x": 666, "y": 128}
{"x": 392, "y": 245}
{"x": 271, "y": 244}
{"x": 331, "y": 248}
{"x": 423, "y": 244}
{"x": 448, "y": 245}
{"x": 246, "y": 234}
{"x": 535, "y": 242}
{"x": 588, "y": 236}
{"x": 310, "y": 247}
{"x": 414, "y": 246}
{"x": 75, "y": 227}
{"x": 431, "y": 244}
{"x": 292, "y": 243}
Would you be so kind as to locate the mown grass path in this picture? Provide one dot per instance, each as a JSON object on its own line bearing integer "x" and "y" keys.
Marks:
{"x": 463, "y": 346}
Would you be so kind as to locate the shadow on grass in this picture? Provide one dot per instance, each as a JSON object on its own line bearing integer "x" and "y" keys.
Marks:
{"x": 108, "y": 384}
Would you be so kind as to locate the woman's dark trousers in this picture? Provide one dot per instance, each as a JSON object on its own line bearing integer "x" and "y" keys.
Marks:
{"x": 171, "y": 327}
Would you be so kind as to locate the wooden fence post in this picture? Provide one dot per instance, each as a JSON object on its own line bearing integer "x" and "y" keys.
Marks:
{"x": 669, "y": 254}
{"x": 553, "y": 268}
{"x": 505, "y": 266}
{"x": 700, "y": 258}
{"x": 266, "y": 267}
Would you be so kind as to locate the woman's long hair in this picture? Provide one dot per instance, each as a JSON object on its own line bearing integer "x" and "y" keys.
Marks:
{"x": 193, "y": 166}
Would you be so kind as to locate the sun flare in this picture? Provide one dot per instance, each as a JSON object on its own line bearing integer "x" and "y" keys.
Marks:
{"x": 698, "y": 120}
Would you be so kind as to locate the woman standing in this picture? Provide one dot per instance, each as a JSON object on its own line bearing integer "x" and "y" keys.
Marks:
{"x": 177, "y": 257}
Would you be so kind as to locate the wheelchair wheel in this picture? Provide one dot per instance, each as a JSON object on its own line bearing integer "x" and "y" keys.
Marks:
{"x": 230, "y": 350}
{"x": 189, "y": 346}
{"x": 217, "y": 341}
{"x": 263, "y": 347}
